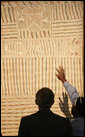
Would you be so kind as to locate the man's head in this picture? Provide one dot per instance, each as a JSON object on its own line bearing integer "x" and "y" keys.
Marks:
{"x": 78, "y": 108}
{"x": 44, "y": 98}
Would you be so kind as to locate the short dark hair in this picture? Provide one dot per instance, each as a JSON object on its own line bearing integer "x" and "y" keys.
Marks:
{"x": 45, "y": 98}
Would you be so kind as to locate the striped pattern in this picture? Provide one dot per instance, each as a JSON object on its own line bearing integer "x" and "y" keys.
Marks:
{"x": 67, "y": 11}
{"x": 19, "y": 101}
{"x": 25, "y": 76}
{"x": 14, "y": 107}
{"x": 7, "y": 14}
{"x": 67, "y": 28}
{"x": 9, "y": 31}
{"x": 26, "y": 34}
{"x": 37, "y": 37}
{"x": 43, "y": 47}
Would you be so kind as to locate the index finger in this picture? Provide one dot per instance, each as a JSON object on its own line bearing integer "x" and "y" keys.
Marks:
{"x": 57, "y": 70}
{"x": 61, "y": 68}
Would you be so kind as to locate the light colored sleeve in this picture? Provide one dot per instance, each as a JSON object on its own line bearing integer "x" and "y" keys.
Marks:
{"x": 72, "y": 92}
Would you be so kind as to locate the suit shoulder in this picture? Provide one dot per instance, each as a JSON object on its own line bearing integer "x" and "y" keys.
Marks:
{"x": 28, "y": 116}
{"x": 60, "y": 117}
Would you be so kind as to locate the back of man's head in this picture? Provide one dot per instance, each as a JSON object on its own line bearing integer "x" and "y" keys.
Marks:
{"x": 44, "y": 98}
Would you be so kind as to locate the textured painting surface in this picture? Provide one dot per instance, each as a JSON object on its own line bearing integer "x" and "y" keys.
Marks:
{"x": 37, "y": 37}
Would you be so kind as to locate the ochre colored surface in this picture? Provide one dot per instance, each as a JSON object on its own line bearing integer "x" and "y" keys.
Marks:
{"x": 37, "y": 37}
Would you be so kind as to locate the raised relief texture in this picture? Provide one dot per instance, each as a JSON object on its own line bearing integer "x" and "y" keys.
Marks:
{"x": 37, "y": 37}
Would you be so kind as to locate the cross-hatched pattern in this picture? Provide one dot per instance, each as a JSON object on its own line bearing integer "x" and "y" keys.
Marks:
{"x": 37, "y": 37}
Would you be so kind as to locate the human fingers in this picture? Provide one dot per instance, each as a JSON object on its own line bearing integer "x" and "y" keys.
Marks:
{"x": 57, "y": 70}
{"x": 60, "y": 100}
{"x": 61, "y": 69}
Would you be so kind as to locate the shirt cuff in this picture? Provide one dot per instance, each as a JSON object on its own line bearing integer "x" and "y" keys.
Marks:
{"x": 66, "y": 84}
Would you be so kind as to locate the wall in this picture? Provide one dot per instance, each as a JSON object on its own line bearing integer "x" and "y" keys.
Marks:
{"x": 37, "y": 37}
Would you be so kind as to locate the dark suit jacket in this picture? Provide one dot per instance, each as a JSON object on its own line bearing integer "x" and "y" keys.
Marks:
{"x": 44, "y": 123}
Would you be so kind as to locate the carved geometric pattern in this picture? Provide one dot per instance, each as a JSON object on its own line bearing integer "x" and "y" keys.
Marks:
{"x": 14, "y": 107}
{"x": 37, "y": 37}
{"x": 22, "y": 77}
{"x": 67, "y": 28}
{"x": 7, "y": 14}
{"x": 25, "y": 76}
{"x": 27, "y": 34}
{"x": 43, "y": 47}
{"x": 67, "y": 11}
{"x": 9, "y": 31}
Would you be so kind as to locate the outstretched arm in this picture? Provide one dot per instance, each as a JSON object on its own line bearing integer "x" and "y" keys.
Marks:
{"x": 72, "y": 92}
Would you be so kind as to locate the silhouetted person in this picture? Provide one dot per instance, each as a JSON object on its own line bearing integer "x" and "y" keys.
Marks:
{"x": 77, "y": 105}
{"x": 44, "y": 122}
